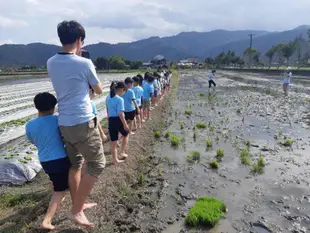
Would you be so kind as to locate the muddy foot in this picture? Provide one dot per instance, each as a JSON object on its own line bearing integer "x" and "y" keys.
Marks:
{"x": 81, "y": 219}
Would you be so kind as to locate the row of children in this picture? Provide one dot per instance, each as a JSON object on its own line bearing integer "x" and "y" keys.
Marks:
{"x": 128, "y": 101}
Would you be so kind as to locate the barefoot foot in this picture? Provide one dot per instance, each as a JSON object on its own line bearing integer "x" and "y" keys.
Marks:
{"x": 89, "y": 206}
{"x": 116, "y": 162}
{"x": 47, "y": 226}
{"x": 81, "y": 219}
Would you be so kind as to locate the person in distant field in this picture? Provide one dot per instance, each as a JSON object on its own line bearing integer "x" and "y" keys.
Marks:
{"x": 211, "y": 78}
{"x": 116, "y": 119}
{"x": 44, "y": 133}
{"x": 147, "y": 94}
{"x": 139, "y": 95}
{"x": 287, "y": 80}
{"x": 71, "y": 76}
{"x": 131, "y": 107}
{"x": 92, "y": 95}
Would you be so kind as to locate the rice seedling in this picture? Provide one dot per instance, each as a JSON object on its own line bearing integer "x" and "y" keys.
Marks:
{"x": 207, "y": 211}
{"x": 209, "y": 143}
{"x": 201, "y": 125}
{"x": 214, "y": 164}
{"x": 219, "y": 154}
{"x": 188, "y": 112}
{"x": 157, "y": 134}
{"x": 175, "y": 141}
{"x": 193, "y": 156}
{"x": 259, "y": 165}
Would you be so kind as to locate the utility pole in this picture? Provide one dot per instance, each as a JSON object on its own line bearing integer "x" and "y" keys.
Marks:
{"x": 251, "y": 39}
{"x": 251, "y": 42}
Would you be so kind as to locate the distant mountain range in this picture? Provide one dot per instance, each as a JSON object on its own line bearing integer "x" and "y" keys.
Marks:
{"x": 183, "y": 45}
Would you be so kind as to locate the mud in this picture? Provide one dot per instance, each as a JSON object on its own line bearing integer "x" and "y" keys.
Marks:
{"x": 243, "y": 107}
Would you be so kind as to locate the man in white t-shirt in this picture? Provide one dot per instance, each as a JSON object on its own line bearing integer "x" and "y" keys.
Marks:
{"x": 71, "y": 76}
{"x": 287, "y": 80}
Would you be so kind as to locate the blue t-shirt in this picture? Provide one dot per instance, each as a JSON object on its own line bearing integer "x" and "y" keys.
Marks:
{"x": 114, "y": 105}
{"x": 93, "y": 105}
{"x": 44, "y": 133}
{"x": 128, "y": 97}
{"x": 138, "y": 94}
{"x": 155, "y": 84}
{"x": 211, "y": 76}
{"x": 71, "y": 76}
{"x": 147, "y": 91}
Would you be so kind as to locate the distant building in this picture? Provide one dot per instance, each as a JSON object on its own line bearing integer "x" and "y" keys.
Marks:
{"x": 159, "y": 60}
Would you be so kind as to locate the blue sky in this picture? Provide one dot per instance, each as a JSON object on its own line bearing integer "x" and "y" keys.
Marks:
{"x": 27, "y": 21}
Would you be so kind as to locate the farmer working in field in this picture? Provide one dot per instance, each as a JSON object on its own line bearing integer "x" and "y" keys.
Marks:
{"x": 71, "y": 76}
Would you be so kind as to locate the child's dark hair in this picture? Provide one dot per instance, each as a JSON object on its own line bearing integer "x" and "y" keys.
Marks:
{"x": 146, "y": 76}
{"x": 128, "y": 80}
{"x": 213, "y": 71}
{"x": 140, "y": 79}
{"x": 70, "y": 31}
{"x": 44, "y": 102}
{"x": 116, "y": 85}
{"x": 150, "y": 79}
{"x": 136, "y": 79}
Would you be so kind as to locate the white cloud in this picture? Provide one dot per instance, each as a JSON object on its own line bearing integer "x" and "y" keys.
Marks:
{"x": 128, "y": 20}
{"x": 11, "y": 23}
{"x": 8, "y": 41}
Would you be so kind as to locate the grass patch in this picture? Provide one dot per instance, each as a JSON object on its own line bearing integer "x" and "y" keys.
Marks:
{"x": 259, "y": 166}
{"x": 207, "y": 211}
{"x": 201, "y": 125}
{"x": 168, "y": 134}
{"x": 182, "y": 124}
{"x": 219, "y": 154}
{"x": 11, "y": 200}
{"x": 141, "y": 180}
{"x": 287, "y": 142}
{"x": 193, "y": 156}
{"x": 214, "y": 164}
{"x": 22, "y": 161}
{"x": 245, "y": 156}
{"x": 157, "y": 134}
{"x": 188, "y": 112}
{"x": 175, "y": 140}
{"x": 195, "y": 135}
{"x": 201, "y": 94}
{"x": 27, "y": 158}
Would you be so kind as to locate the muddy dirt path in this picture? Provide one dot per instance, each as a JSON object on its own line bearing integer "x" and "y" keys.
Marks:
{"x": 243, "y": 109}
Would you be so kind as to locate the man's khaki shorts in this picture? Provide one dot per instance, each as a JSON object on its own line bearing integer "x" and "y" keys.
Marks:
{"x": 146, "y": 104}
{"x": 84, "y": 142}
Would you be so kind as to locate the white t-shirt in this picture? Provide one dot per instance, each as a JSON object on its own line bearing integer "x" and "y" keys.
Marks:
{"x": 287, "y": 79}
{"x": 71, "y": 76}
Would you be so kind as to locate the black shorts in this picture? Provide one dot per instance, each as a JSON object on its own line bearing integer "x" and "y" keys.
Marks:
{"x": 211, "y": 82}
{"x": 130, "y": 116}
{"x": 115, "y": 127}
{"x": 58, "y": 172}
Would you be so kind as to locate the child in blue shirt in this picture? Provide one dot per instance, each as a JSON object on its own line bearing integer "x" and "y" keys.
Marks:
{"x": 130, "y": 103}
{"x": 116, "y": 119}
{"x": 92, "y": 95}
{"x": 138, "y": 94}
{"x": 44, "y": 133}
{"x": 147, "y": 94}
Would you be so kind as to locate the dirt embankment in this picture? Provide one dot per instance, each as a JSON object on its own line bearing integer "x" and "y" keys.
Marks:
{"x": 128, "y": 196}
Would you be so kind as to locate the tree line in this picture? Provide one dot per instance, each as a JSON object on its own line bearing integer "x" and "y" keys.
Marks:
{"x": 116, "y": 62}
{"x": 279, "y": 54}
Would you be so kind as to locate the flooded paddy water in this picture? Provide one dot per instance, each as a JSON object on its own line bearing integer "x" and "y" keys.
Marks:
{"x": 244, "y": 110}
